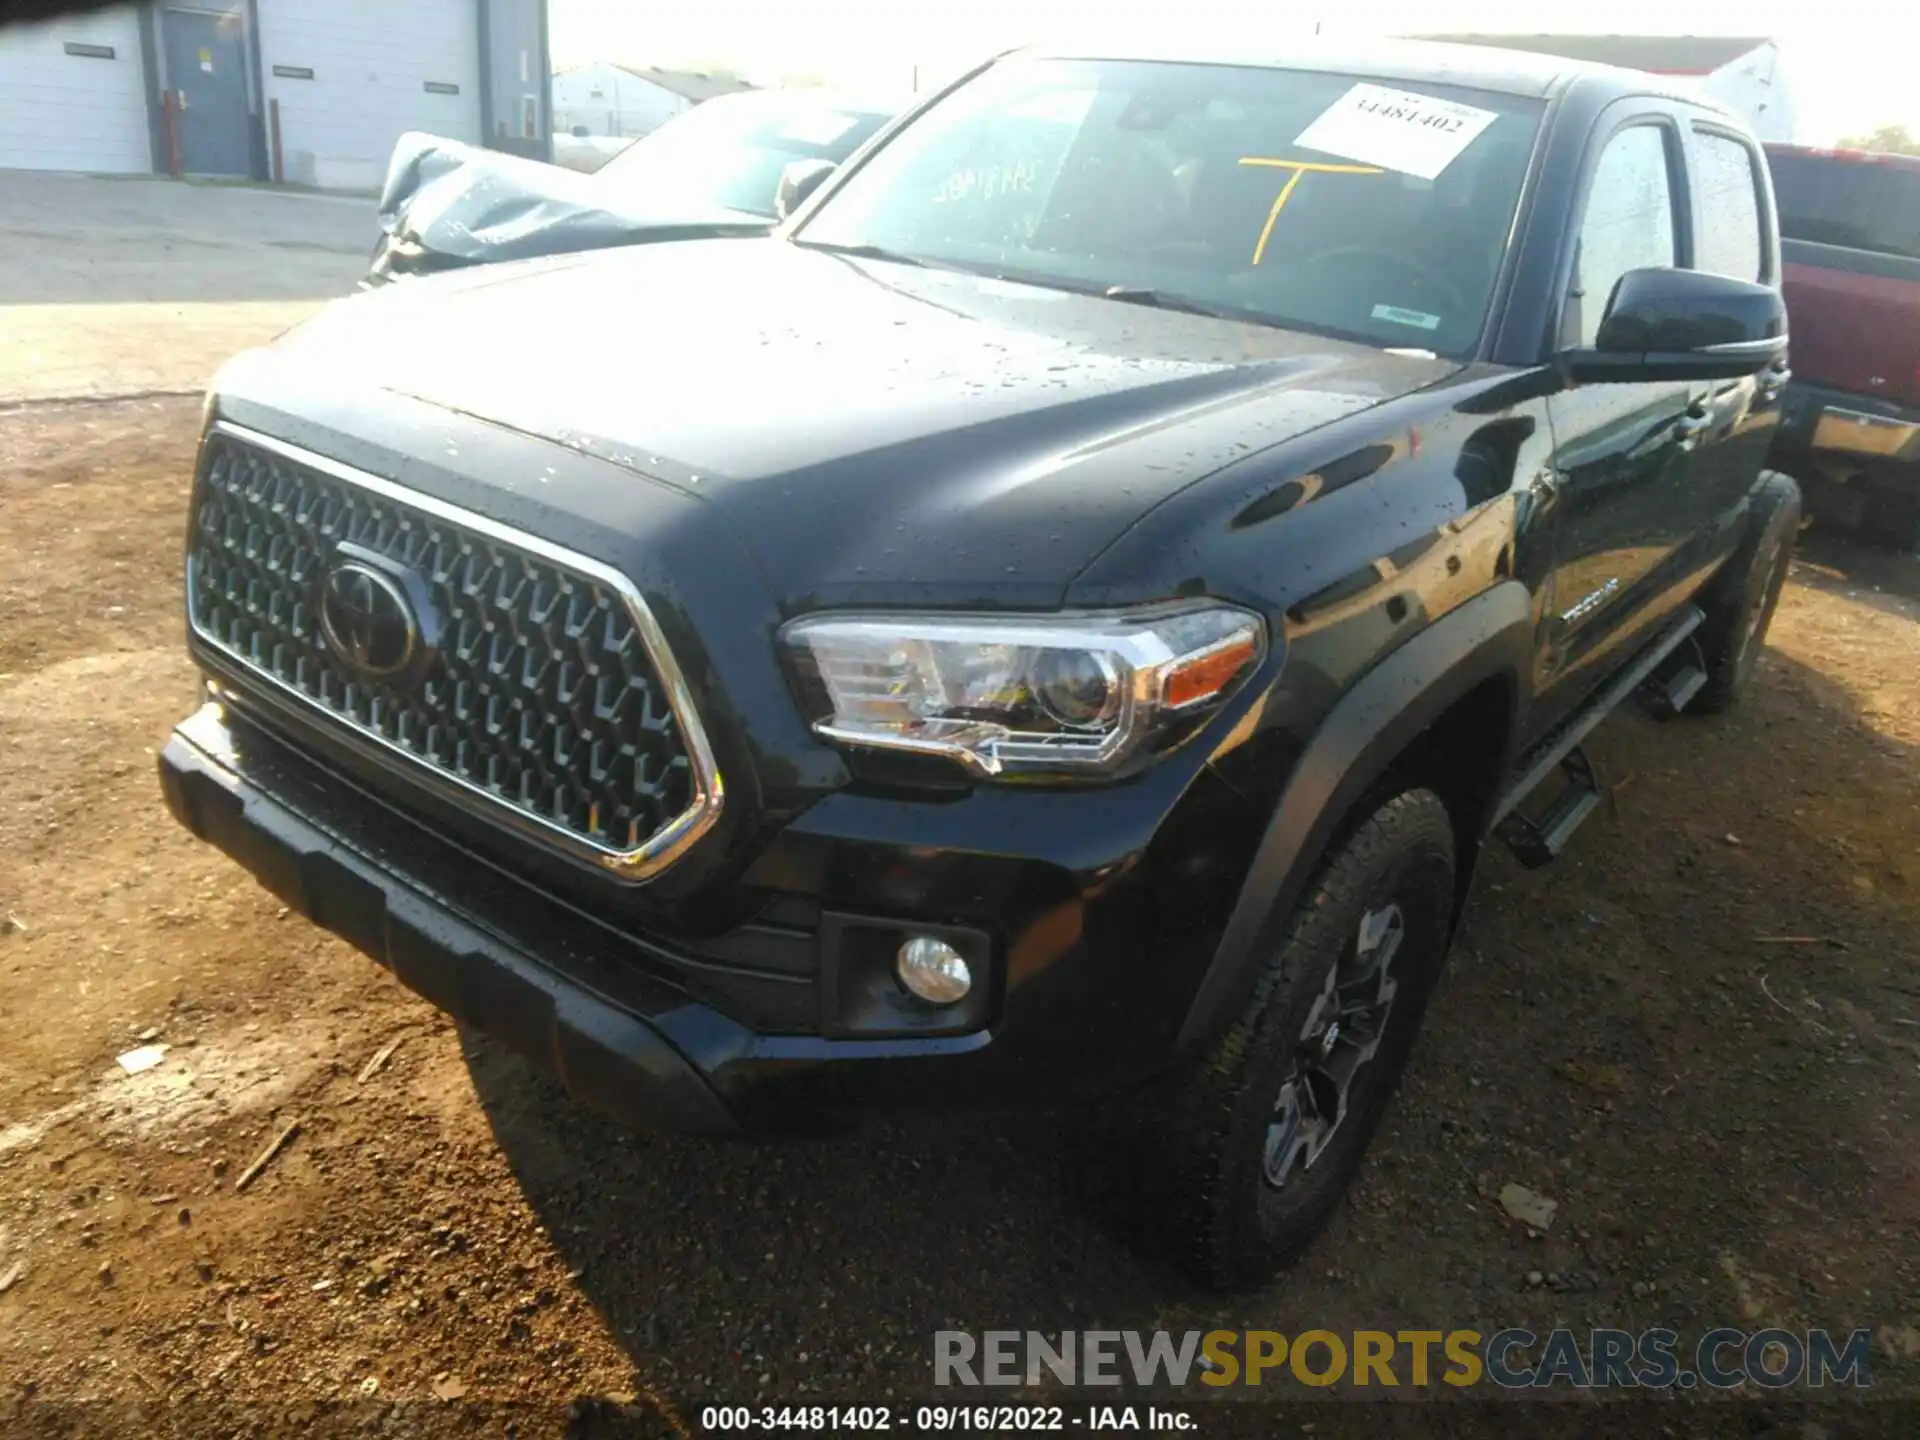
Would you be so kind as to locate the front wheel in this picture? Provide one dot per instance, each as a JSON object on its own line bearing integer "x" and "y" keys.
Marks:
{"x": 1265, "y": 1135}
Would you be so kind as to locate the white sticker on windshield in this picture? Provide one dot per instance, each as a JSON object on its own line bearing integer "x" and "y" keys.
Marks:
{"x": 821, "y": 129}
{"x": 1396, "y": 129}
{"x": 1399, "y": 316}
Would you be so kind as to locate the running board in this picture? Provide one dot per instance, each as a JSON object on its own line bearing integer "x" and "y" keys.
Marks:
{"x": 1539, "y": 842}
{"x": 1671, "y": 688}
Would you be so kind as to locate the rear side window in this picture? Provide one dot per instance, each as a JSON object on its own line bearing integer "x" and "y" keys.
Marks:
{"x": 1728, "y": 240}
{"x": 1628, "y": 225}
{"x": 1863, "y": 204}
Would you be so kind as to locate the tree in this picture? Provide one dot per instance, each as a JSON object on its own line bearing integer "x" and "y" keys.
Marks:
{"x": 1888, "y": 140}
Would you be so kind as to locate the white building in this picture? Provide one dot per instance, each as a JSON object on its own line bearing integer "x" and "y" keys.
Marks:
{"x": 310, "y": 92}
{"x": 1743, "y": 73}
{"x": 626, "y": 102}
{"x": 73, "y": 95}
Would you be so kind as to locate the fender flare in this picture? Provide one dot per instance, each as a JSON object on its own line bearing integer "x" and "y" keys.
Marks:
{"x": 1491, "y": 636}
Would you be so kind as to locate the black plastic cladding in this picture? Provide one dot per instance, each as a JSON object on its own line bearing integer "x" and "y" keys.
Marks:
{"x": 541, "y": 692}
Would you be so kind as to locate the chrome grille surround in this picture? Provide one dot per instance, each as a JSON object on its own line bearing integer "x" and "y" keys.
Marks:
{"x": 553, "y": 703}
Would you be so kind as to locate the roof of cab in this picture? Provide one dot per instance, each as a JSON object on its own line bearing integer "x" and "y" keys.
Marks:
{"x": 1478, "y": 67}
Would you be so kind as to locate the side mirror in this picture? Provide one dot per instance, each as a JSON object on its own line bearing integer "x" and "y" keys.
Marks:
{"x": 1664, "y": 324}
{"x": 797, "y": 182}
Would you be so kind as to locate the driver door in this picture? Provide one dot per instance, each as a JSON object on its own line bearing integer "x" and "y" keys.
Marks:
{"x": 1624, "y": 453}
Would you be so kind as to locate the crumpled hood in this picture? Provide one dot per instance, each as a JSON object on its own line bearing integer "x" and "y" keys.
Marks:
{"x": 865, "y": 429}
{"x": 448, "y": 204}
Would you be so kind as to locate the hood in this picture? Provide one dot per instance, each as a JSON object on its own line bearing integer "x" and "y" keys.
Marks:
{"x": 866, "y": 429}
{"x": 446, "y": 204}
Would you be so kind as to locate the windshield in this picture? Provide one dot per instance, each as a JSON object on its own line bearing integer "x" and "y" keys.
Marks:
{"x": 729, "y": 153}
{"x": 1863, "y": 204}
{"x": 1325, "y": 202}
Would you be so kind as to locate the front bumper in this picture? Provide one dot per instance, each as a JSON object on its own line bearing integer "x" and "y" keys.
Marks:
{"x": 602, "y": 1033}
{"x": 1086, "y": 998}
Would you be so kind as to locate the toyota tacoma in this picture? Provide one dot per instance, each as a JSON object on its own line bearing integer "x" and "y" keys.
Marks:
{"x": 1056, "y": 622}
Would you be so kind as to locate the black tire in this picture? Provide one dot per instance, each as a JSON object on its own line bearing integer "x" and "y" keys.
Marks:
{"x": 1740, "y": 602}
{"x": 1233, "y": 1225}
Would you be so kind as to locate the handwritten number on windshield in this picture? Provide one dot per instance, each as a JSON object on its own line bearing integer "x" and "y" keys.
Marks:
{"x": 1299, "y": 168}
{"x": 989, "y": 183}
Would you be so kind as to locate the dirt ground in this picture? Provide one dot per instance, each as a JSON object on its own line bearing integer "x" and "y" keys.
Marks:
{"x": 1700, "y": 1033}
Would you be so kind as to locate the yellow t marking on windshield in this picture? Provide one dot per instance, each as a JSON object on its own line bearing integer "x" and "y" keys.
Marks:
{"x": 1299, "y": 168}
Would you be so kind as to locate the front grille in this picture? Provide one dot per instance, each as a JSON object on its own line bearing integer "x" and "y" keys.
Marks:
{"x": 549, "y": 697}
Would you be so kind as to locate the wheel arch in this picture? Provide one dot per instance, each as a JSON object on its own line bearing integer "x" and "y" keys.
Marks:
{"x": 1441, "y": 711}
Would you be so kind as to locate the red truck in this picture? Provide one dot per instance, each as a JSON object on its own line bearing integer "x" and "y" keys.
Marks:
{"x": 1850, "y": 425}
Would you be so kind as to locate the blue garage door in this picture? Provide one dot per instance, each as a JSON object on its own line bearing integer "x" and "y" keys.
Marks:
{"x": 207, "y": 73}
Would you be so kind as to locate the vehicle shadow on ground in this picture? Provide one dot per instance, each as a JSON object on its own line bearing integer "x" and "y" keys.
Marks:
{"x": 735, "y": 1258}
{"x": 1602, "y": 1036}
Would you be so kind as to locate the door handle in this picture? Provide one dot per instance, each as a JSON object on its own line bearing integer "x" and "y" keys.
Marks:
{"x": 1688, "y": 429}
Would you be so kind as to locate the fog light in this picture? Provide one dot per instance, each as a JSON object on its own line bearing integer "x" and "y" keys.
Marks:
{"x": 933, "y": 970}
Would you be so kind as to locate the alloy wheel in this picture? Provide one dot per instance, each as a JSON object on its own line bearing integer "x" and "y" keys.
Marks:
{"x": 1343, "y": 1031}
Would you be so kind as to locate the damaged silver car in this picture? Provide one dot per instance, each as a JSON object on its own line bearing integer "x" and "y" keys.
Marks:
{"x": 715, "y": 170}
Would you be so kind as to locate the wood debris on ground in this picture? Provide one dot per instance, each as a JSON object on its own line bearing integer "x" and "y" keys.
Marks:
{"x": 380, "y": 1058}
{"x": 274, "y": 1147}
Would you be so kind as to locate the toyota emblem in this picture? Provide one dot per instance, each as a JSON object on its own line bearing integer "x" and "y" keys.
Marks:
{"x": 368, "y": 620}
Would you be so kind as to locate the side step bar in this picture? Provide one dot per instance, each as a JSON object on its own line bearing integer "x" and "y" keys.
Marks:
{"x": 1672, "y": 687}
{"x": 1539, "y": 842}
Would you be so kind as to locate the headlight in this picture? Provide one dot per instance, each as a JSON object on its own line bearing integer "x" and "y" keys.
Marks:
{"x": 1062, "y": 693}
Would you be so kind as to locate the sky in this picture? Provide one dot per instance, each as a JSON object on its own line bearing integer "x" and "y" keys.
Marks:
{"x": 1849, "y": 74}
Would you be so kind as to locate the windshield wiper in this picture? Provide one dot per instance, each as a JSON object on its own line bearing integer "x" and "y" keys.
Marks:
{"x": 1124, "y": 294}
{"x": 1127, "y": 295}
{"x": 863, "y": 252}
{"x": 1161, "y": 300}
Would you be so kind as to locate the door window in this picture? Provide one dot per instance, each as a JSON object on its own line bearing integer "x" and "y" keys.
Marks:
{"x": 1628, "y": 225}
{"x": 1727, "y": 200}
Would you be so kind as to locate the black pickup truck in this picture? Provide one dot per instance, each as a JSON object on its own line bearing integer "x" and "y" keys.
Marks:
{"x": 1057, "y": 622}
